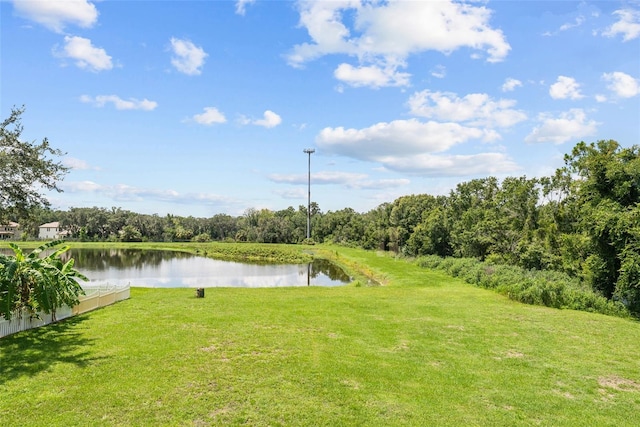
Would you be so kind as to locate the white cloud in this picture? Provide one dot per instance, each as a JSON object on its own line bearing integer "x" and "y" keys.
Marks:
{"x": 477, "y": 109}
{"x": 85, "y": 54}
{"x": 566, "y": 26}
{"x": 188, "y": 58}
{"x": 379, "y": 184}
{"x": 570, "y": 125}
{"x": 351, "y": 180}
{"x": 399, "y": 138}
{"x": 628, "y": 25}
{"x": 210, "y": 116}
{"x": 439, "y": 72}
{"x": 318, "y": 178}
{"x": 372, "y": 76}
{"x": 453, "y": 165}
{"x": 565, "y": 87}
{"x": 75, "y": 164}
{"x": 384, "y": 34}
{"x": 80, "y": 186}
{"x": 241, "y": 6}
{"x": 510, "y": 84}
{"x": 622, "y": 84}
{"x": 55, "y": 15}
{"x": 119, "y": 103}
{"x": 269, "y": 120}
{"x": 124, "y": 192}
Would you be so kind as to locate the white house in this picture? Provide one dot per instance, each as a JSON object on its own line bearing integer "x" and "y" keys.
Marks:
{"x": 10, "y": 231}
{"x": 51, "y": 230}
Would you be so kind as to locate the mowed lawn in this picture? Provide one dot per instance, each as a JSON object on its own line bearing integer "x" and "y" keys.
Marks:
{"x": 422, "y": 350}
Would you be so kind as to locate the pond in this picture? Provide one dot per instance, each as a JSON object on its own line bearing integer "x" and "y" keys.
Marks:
{"x": 168, "y": 269}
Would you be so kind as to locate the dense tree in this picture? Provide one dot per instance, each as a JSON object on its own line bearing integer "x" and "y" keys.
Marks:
{"x": 26, "y": 169}
{"x": 607, "y": 195}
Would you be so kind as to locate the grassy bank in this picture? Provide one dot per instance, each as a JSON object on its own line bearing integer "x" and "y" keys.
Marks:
{"x": 424, "y": 349}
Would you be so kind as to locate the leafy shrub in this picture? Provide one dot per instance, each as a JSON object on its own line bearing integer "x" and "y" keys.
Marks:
{"x": 37, "y": 283}
{"x": 537, "y": 287}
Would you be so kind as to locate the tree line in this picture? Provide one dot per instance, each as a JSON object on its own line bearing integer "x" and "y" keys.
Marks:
{"x": 584, "y": 220}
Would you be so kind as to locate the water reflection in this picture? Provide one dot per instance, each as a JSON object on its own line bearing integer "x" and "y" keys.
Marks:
{"x": 152, "y": 268}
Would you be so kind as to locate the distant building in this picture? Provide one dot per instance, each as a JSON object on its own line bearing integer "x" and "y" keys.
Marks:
{"x": 10, "y": 231}
{"x": 51, "y": 230}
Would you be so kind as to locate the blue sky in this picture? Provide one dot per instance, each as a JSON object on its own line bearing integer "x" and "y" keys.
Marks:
{"x": 205, "y": 107}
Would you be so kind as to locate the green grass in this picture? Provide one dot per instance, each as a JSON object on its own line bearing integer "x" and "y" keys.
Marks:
{"x": 423, "y": 349}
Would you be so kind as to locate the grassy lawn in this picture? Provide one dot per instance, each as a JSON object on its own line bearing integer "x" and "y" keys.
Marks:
{"x": 422, "y": 350}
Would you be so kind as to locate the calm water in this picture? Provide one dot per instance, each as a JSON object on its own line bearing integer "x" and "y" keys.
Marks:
{"x": 167, "y": 269}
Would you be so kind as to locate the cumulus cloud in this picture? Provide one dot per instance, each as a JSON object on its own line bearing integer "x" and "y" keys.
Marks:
{"x": 372, "y": 76}
{"x": 210, "y": 116}
{"x": 628, "y": 25}
{"x": 187, "y": 57}
{"x": 268, "y": 120}
{"x": 510, "y": 84}
{"x": 385, "y": 34}
{"x": 241, "y": 6}
{"x": 55, "y": 15}
{"x": 622, "y": 84}
{"x": 85, "y": 54}
{"x": 570, "y": 125}
{"x": 565, "y": 87}
{"x": 400, "y": 138}
{"x": 476, "y": 109}
{"x": 119, "y": 103}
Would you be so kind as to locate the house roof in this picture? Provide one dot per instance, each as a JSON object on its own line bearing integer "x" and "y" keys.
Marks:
{"x": 51, "y": 225}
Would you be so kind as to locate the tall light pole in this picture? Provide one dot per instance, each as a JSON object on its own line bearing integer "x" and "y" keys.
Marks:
{"x": 309, "y": 151}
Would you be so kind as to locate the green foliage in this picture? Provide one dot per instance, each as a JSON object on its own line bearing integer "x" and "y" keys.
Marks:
{"x": 547, "y": 288}
{"x": 607, "y": 198}
{"x": 25, "y": 169}
{"x": 202, "y": 237}
{"x": 130, "y": 233}
{"x": 38, "y": 282}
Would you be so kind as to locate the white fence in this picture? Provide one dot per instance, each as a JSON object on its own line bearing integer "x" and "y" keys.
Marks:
{"x": 95, "y": 297}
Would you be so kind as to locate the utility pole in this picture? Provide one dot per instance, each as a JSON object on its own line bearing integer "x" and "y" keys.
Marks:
{"x": 309, "y": 151}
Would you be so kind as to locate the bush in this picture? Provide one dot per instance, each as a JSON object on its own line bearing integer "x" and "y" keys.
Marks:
{"x": 536, "y": 287}
{"x": 37, "y": 282}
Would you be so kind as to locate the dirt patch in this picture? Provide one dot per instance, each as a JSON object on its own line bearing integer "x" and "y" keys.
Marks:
{"x": 513, "y": 354}
{"x": 619, "y": 384}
